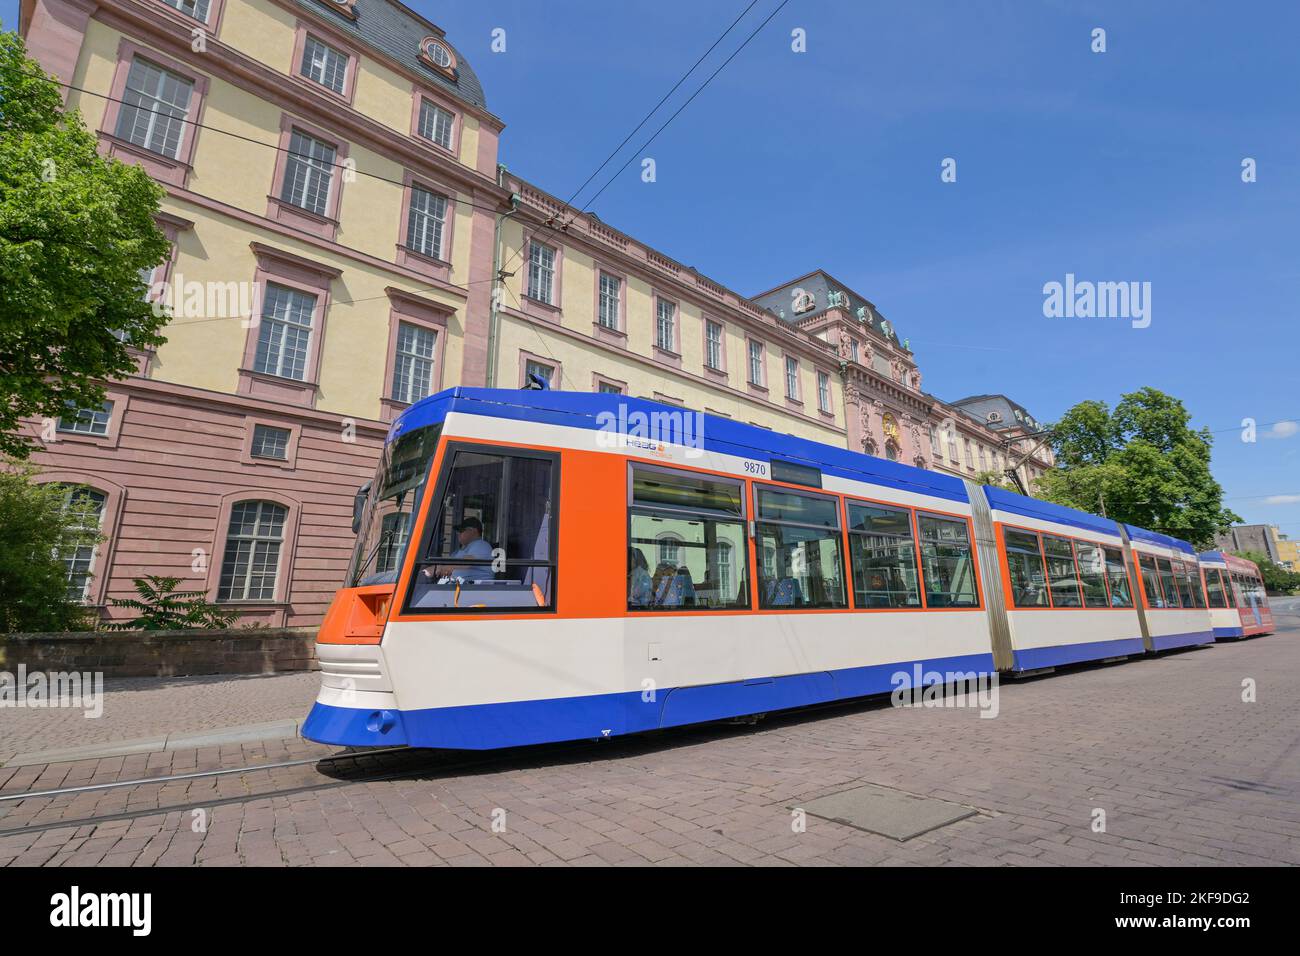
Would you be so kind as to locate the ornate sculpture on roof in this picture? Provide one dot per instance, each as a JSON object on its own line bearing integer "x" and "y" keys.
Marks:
{"x": 906, "y": 345}
{"x": 884, "y": 328}
{"x": 836, "y": 300}
{"x": 916, "y": 379}
{"x": 862, "y": 313}
{"x": 804, "y": 301}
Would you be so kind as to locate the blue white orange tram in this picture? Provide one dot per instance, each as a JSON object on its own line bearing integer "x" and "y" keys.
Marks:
{"x": 537, "y": 566}
{"x": 1234, "y": 592}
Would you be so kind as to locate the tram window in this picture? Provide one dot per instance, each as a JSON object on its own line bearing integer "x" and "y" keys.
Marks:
{"x": 492, "y": 540}
{"x": 1092, "y": 572}
{"x": 1214, "y": 588}
{"x": 882, "y": 554}
{"x": 1151, "y": 582}
{"x": 946, "y": 564}
{"x": 1186, "y": 589}
{"x": 1028, "y": 576}
{"x": 396, "y": 490}
{"x": 687, "y": 547}
{"x": 799, "y": 538}
{"x": 1170, "y": 585}
{"x": 1061, "y": 572}
{"x": 1117, "y": 576}
{"x": 1194, "y": 583}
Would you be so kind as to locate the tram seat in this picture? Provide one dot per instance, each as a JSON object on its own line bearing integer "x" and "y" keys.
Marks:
{"x": 784, "y": 592}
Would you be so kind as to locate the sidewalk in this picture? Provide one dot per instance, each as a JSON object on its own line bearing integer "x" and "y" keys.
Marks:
{"x": 147, "y": 714}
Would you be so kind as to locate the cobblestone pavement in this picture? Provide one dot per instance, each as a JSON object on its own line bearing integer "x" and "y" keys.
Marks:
{"x": 1186, "y": 772}
{"x": 146, "y": 706}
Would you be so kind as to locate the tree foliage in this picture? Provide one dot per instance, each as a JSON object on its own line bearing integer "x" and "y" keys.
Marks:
{"x": 163, "y": 608}
{"x": 76, "y": 230}
{"x": 35, "y": 529}
{"x": 1140, "y": 463}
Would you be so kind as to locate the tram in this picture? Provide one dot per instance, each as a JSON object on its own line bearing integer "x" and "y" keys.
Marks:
{"x": 536, "y": 566}
{"x": 1234, "y": 592}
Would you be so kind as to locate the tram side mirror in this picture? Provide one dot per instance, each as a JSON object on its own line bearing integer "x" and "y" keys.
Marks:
{"x": 359, "y": 505}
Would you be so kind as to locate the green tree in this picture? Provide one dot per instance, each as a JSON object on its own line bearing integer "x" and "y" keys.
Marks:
{"x": 76, "y": 230}
{"x": 35, "y": 527}
{"x": 1140, "y": 463}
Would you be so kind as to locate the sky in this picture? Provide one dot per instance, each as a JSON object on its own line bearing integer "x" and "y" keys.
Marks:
{"x": 1117, "y": 166}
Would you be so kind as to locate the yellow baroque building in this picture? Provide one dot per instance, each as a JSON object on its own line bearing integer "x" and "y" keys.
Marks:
{"x": 344, "y": 243}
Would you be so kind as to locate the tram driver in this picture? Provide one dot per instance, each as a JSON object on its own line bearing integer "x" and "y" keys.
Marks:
{"x": 469, "y": 534}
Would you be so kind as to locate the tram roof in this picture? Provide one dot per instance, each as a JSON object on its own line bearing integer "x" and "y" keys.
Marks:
{"x": 592, "y": 410}
{"x": 1004, "y": 500}
{"x": 1155, "y": 537}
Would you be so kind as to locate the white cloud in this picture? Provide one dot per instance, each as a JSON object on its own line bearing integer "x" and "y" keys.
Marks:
{"x": 1282, "y": 500}
{"x": 1282, "y": 430}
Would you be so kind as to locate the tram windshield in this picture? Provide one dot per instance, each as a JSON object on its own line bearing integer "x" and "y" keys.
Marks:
{"x": 394, "y": 495}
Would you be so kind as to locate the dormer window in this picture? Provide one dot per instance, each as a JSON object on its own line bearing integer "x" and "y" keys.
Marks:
{"x": 438, "y": 55}
{"x": 197, "y": 9}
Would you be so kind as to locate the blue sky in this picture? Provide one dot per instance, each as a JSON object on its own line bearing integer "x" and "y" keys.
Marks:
{"x": 1115, "y": 166}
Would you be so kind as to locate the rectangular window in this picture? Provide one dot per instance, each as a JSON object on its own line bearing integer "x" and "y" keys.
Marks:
{"x": 970, "y": 458}
{"x": 1117, "y": 577}
{"x": 1028, "y": 574}
{"x": 1151, "y": 581}
{"x": 1188, "y": 585}
{"x": 284, "y": 335}
{"x": 426, "y": 222}
{"x": 665, "y": 321}
{"x": 541, "y": 273}
{"x": 798, "y": 543}
{"x": 155, "y": 105}
{"x": 755, "y": 362}
{"x": 824, "y": 392}
{"x": 1169, "y": 583}
{"x": 882, "y": 555}
{"x": 853, "y": 349}
{"x": 1198, "y": 585}
{"x": 435, "y": 124}
{"x": 946, "y": 564}
{"x": 492, "y": 541}
{"x": 252, "y": 560}
{"x": 324, "y": 64}
{"x": 270, "y": 442}
{"x": 1214, "y": 588}
{"x": 1092, "y": 572}
{"x": 608, "y": 388}
{"x": 308, "y": 172}
{"x": 413, "y": 363}
{"x": 607, "y": 310}
{"x": 713, "y": 344}
{"x": 952, "y": 446}
{"x": 87, "y": 421}
{"x": 791, "y": 377}
{"x": 984, "y": 462}
{"x": 198, "y": 9}
{"x": 687, "y": 543}
{"x": 539, "y": 370}
{"x": 1061, "y": 572}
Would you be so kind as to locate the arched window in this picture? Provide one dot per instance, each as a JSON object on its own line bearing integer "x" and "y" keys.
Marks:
{"x": 670, "y": 548}
{"x": 891, "y": 450}
{"x": 253, "y": 544}
{"x": 85, "y": 507}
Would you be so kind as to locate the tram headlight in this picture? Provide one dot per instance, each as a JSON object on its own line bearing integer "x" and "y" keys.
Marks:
{"x": 381, "y": 721}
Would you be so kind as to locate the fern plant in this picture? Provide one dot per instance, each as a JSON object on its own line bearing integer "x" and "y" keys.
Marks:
{"x": 163, "y": 608}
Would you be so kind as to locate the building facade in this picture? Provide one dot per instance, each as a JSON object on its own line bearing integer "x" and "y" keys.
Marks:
{"x": 1261, "y": 539}
{"x": 344, "y": 243}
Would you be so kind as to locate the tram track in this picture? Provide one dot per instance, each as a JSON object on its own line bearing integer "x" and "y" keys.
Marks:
{"x": 424, "y": 763}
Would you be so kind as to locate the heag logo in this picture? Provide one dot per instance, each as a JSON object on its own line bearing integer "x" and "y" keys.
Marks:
{"x": 75, "y": 909}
